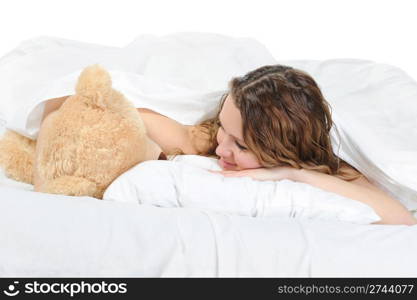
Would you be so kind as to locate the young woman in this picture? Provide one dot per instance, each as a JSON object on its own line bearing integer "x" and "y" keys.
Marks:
{"x": 273, "y": 124}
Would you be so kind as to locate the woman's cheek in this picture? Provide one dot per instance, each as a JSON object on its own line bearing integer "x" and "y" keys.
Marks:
{"x": 247, "y": 161}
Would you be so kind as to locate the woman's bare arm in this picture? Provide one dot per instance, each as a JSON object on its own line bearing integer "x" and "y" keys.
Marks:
{"x": 169, "y": 134}
{"x": 390, "y": 210}
{"x": 172, "y": 135}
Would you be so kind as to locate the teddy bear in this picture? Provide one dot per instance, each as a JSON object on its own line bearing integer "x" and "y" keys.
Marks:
{"x": 94, "y": 137}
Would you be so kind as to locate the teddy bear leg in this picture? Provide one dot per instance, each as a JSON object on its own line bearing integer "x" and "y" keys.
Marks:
{"x": 70, "y": 186}
{"x": 17, "y": 154}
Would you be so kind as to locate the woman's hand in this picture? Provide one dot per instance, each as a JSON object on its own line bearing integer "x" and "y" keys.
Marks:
{"x": 262, "y": 174}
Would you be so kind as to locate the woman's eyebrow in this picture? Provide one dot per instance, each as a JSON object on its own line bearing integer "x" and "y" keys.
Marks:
{"x": 221, "y": 125}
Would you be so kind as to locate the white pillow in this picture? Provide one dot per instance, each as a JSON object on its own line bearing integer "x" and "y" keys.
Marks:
{"x": 187, "y": 183}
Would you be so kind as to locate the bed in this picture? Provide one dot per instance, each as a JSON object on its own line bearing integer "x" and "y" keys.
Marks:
{"x": 43, "y": 235}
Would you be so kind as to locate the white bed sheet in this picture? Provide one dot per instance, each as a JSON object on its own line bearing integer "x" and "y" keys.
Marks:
{"x": 53, "y": 236}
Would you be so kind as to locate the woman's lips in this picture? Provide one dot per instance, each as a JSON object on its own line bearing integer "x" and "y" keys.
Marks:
{"x": 226, "y": 165}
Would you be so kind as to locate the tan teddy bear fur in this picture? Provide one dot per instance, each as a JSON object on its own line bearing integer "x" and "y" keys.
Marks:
{"x": 95, "y": 136}
{"x": 17, "y": 154}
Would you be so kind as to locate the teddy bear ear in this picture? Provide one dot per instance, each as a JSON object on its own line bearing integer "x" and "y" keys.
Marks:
{"x": 95, "y": 85}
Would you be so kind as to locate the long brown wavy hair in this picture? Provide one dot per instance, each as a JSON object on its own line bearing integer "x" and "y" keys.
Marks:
{"x": 286, "y": 121}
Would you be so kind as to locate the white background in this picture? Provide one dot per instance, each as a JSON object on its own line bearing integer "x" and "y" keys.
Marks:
{"x": 379, "y": 30}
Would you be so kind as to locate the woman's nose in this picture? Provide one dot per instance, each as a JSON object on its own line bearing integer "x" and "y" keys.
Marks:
{"x": 223, "y": 149}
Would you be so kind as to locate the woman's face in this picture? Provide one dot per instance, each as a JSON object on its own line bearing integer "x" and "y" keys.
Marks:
{"x": 232, "y": 150}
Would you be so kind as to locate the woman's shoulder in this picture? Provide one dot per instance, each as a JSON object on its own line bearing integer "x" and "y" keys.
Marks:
{"x": 361, "y": 180}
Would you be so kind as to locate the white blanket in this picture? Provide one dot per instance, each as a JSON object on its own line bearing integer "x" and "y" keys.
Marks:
{"x": 179, "y": 75}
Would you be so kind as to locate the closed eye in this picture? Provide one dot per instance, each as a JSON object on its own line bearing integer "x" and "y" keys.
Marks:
{"x": 240, "y": 146}
{"x": 243, "y": 148}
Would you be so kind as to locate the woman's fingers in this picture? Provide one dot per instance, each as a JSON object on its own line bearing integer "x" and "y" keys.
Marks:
{"x": 228, "y": 173}
{"x": 220, "y": 172}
